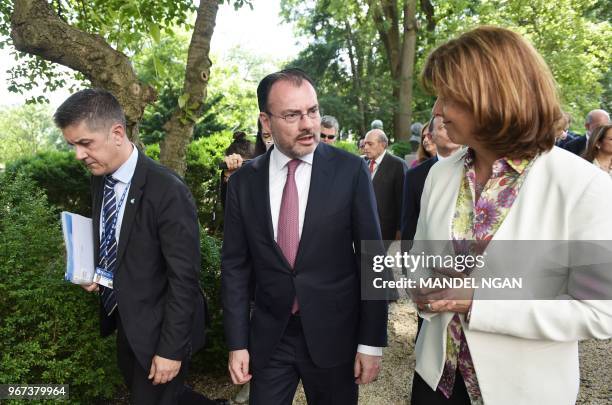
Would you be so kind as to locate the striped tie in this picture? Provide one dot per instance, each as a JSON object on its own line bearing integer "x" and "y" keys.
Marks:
{"x": 108, "y": 254}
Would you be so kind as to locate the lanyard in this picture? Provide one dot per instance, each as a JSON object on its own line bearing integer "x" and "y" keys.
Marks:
{"x": 107, "y": 239}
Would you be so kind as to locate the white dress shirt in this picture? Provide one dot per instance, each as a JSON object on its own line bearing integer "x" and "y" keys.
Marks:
{"x": 123, "y": 175}
{"x": 277, "y": 179}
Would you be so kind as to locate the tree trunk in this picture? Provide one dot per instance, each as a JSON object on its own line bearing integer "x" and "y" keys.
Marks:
{"x": 179, "y": 129}
{"x": 406, "y": 72}
{"x": 355, "y": 69}
{"x": 400, "y": 54}
{"x": 37, "y": 30}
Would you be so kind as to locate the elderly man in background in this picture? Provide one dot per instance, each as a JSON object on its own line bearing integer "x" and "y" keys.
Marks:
{"x": 387, "y": 173}
{"x": 594, "y": 120}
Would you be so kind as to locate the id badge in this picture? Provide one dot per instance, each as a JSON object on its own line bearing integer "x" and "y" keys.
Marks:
{"x": 103, "y": 277}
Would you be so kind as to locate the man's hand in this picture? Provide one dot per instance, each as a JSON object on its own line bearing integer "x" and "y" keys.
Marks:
{"x": 163, "y": 370}
{"x": 366, "y": 368}
{"x": 238, "y": 365}
{"x": 90, "y": 287}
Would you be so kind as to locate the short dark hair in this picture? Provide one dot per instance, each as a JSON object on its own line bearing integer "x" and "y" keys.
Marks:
{"x": 260, "y": 146}
{"x": 293, "y": 75}
{"x": 97, "y": 107}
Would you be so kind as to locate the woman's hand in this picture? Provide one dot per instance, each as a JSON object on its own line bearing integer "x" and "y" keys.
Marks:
{"x": 233, "y": 162}
{"x": 458, "y": 306}
{"x": 457, "y": 300}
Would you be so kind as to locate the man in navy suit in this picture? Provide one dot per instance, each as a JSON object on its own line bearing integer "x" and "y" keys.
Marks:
{"x": 415, "y": 178}
{"x": 594, "y": 120}
{"x": 295, "y": 218}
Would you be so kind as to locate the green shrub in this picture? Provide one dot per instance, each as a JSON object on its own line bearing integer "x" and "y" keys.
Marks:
{"x": 152, "y": 151}
{"x": 203, "y": 175}
{"x": 347, "y": 146}
{"x": 401, "y": 149}
{"x": 64, "y": 179}
{"x": 49, "y": 330}
{"x": 214, "y": 356}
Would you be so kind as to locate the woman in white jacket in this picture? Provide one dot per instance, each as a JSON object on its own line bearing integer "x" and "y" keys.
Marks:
{"x": 497, "y": 96}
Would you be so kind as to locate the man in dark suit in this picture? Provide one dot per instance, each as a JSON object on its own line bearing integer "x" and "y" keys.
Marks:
{"x": 387, "y": 173}
{"x": 594, "y": 120}
{"x": 295, "y": 217}
{"x": 415, "y": 178}
{"x": 566, "y": 135}
{"x": 146, "y": 241}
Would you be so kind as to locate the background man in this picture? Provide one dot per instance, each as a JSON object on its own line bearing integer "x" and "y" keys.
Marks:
{"x": 146, "y": 237}
{"x": 295, "y": 217}
{"x": 594, "y": 120}
{"x": 330, "y": 129}
{"x": 566, "y": 136}
{"x": 415, "y": 178}
{"x": 387, "y": 173}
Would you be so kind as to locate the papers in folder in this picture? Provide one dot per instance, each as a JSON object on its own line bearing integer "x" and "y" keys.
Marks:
{"x": 78, "y": 237}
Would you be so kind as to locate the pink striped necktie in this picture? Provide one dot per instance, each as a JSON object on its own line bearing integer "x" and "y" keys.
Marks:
{"x": 288, "y": 235}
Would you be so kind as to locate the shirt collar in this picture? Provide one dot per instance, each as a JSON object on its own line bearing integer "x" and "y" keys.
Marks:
{"x": 501, "y": 165}
{"x": 278, "y": 160}
{"x": 380, "y": 157}
{"x": 125, "y": 172}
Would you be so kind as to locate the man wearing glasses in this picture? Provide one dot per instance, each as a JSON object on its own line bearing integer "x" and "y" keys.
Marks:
{"x": 329, "y": 129}
{"x": 295, "y": 218}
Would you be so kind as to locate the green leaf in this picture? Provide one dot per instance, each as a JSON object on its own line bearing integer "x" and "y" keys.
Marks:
{"x": 182, "y": 100}
{"x": 155, "y": 32}
{"x": 159, "y": 68}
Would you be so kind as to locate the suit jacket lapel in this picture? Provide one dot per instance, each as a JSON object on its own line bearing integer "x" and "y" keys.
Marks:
{"x": 261, "y": 201}
{"x": 132, "y": 203}
{"x": 381, "y": 169}
{"x": 321, "y": 179}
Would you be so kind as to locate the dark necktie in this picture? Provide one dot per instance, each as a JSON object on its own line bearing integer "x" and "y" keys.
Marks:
{"x": 108, "y": 245}
{"x": 288, "y": 234}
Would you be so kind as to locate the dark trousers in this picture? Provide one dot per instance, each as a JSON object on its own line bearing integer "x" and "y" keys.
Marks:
{"x": 277, "y": 382}
{"x": 142, "y": 390}
{"x": 422, "y": 394}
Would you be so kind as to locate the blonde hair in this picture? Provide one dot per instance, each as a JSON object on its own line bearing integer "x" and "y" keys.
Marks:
{"x": 502, "y": 80}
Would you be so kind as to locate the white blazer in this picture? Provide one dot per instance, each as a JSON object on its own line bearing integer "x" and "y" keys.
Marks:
{"x": 524, "y": 352}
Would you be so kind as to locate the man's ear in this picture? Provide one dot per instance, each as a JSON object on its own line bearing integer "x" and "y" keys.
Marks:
{"x": 265, "y": 122}
{"x": 118, "y": 134}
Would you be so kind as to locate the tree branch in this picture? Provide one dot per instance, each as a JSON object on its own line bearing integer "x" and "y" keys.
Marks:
{"x": 37, "y": 30}
{"x": 428, "y": 10}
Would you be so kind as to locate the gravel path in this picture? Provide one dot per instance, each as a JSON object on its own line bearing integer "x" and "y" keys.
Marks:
{"x": 395, "y": 380}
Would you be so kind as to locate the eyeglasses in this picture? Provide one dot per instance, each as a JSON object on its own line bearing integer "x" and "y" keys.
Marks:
{"x": 294, "y": 117}
{"x": 330, "y": 137}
